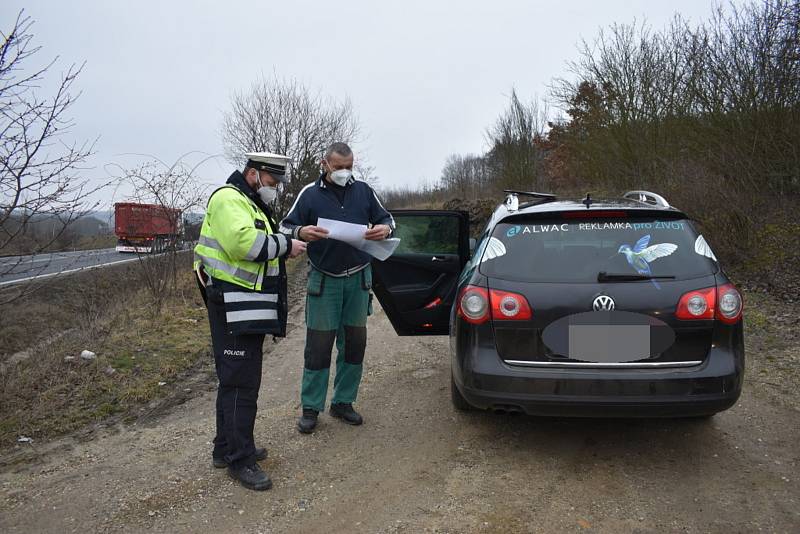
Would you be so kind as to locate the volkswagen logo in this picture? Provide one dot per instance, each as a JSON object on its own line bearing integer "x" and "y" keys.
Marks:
{"x": 603, "y": 303}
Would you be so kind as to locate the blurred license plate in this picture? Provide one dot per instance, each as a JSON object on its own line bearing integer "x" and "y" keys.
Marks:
{"x": 609, "y": 343}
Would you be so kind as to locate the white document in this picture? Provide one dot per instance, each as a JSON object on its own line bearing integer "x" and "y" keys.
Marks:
{"x": 353, "y": 235}
{"x": 343, "y": 231}
{"x": 380, "y": 249}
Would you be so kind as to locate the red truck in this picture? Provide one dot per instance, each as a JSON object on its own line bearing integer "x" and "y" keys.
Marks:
{"x": 146, "y": 228}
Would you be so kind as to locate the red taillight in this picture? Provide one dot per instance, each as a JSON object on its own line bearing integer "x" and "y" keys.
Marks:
{"x": 476, "y": 305}
{"x": 473, "y": 304}
{"x": 697, "y": 305}
{"x": 507, "y": 306}
{"x": 724, "y": 304}
{"x": 729, "y": 304}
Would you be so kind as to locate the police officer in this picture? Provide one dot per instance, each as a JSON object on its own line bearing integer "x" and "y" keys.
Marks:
{"x": 240, "y": 264}
{"x": 339, "y": 283}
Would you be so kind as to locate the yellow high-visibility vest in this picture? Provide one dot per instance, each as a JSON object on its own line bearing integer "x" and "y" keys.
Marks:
{"x": 233, "y": 234}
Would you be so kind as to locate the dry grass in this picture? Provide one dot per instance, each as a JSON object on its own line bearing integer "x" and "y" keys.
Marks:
{"x": 772, "y": 338}
{"x": 44, "y": 395}
{"x": 63, "y": 303}
{"x": 91, "y": 242}
{"x": 107, "y": 312}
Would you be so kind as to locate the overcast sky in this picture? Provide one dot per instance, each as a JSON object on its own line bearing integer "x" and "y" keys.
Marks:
{"x": 426, "y": 78}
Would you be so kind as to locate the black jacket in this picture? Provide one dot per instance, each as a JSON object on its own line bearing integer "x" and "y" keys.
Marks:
{"x": 360, "y": 206}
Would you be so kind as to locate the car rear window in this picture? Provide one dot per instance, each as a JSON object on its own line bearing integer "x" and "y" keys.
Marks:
{"x": 577, "y": 250}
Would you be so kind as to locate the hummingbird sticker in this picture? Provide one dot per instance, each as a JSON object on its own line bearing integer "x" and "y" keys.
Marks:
{"x": 641, "y": 256}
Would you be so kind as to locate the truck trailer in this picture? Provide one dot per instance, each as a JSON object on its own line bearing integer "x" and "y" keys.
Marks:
{"x": 146, "y": 228}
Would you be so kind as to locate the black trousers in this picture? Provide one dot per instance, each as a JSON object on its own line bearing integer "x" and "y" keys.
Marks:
{"x": 238, "y": 363}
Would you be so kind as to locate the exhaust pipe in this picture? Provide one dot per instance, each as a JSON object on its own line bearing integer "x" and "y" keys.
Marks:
{"x": 510, "y": 409}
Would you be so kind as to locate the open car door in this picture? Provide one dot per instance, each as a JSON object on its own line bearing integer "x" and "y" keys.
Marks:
{"x": 416, "y": 285}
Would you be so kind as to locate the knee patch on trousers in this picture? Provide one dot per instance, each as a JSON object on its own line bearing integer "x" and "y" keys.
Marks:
{"x": 355, "y": 343}
{"x": 319, "y": 344}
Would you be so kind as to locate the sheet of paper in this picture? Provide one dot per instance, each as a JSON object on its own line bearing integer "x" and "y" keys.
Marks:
{"x": 353, "y": 235}
{"x": 381, "y": 249}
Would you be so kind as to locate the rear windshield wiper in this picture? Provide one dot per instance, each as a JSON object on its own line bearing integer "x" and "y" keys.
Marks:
{"x": 603, "y": 276}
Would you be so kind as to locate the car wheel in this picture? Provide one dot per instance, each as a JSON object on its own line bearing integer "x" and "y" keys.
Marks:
{"x": 459, "y": 402}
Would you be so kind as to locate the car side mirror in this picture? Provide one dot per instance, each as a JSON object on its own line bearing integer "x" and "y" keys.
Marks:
{"x": 472, "y": 244}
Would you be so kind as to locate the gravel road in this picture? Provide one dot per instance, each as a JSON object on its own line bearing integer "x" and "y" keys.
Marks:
{"x": 417, "y": 465}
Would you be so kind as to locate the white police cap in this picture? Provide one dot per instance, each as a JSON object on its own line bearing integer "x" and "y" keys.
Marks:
{"x": 274, "y": 164}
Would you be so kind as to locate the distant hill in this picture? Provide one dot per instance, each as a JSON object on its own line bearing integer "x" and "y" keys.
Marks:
{"x": 106, "y": 216}
{"x": 88, "y": 226}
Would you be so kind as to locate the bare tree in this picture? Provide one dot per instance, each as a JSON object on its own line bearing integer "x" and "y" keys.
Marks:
{"x": 706, "y": 113}
{"x": 285, "y": 117}
{"x": 427, "y": 194}
{"x": 364, "y": 171}
{"x": 174, "y": 191}
{"x": 39, "y": 167}
{"x": 466, "y": 176}
{"x": 721, "y": 96}
{"x": 514, "y": 156}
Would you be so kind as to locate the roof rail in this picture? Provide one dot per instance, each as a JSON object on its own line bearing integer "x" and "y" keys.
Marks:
{"x": 512, "y": 202}
{"x": 648, "y": 198}
{"x": 547, "y": 196}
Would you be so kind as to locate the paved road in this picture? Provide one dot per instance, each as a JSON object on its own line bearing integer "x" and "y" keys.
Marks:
{"x": 16, "y": 269}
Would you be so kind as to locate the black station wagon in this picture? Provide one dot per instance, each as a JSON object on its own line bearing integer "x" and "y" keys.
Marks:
{"x": 608, "y": 308}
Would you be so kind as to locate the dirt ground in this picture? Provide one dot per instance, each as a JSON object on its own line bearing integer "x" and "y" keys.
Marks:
{"x": 419, "y": 466}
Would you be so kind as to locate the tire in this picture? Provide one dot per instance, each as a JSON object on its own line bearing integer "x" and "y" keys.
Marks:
{"x": 458, "y": 400}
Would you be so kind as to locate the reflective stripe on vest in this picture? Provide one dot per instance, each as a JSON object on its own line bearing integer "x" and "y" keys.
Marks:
{"x": 210, "y": 242}
{"x": 246, "y": 296}
{"x": 235, "y": 272}
{"x": 258, "y": 244}
{"x": 245, "y": 272}
{"x": 251, "y": 315}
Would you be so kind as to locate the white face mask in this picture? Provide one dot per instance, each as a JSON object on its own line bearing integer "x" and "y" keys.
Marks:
{"x": 341, "y": 176}
{"x": 267, "y": 193}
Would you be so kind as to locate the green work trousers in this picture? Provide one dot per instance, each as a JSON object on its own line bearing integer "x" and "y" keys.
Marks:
{"x": 336, "y": 309}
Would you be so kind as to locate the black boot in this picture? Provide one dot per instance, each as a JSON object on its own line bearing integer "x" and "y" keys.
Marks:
{"x": 346, "y": 413}
{"x": 251, "y": 477}
{"x": 308, "y": 421}
{"x": 219, "y": 463}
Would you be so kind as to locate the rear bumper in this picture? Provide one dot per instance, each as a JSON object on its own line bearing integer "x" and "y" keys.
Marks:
{"x": 123, "y": 248}
{"x": 487, "y": 382}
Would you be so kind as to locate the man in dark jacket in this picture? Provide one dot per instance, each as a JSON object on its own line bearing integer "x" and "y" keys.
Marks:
{"x": 339, "y": 281}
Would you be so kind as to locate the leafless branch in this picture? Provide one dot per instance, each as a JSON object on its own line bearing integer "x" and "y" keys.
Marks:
{"x": 284, "y": 117}
{"x": 176, "y": 192}
{"x": 42, "y": 192}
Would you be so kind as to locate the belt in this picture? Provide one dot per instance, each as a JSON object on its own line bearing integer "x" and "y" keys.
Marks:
{"x": 347, "y": 272}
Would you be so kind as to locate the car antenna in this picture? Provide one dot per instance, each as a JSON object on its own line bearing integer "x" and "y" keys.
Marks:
{"x": 588, "y": 200}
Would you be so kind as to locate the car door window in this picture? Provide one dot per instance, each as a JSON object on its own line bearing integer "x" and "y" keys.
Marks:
{"x": 416, "y": 285}
{"x": 427, "y": 234}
